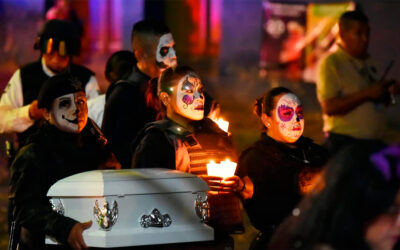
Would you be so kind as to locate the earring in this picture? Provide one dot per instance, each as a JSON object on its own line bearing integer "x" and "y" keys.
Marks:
{"x": 268, "y": 125}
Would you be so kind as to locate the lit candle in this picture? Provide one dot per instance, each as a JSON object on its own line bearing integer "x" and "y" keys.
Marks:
{"x": 222, "y": 124}
{"x": 224, "y": 169}
{"x": 212, "y": 169}
{"x": 228, "y": 168}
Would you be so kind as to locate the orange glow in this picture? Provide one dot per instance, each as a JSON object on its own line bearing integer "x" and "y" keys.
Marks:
{"x": 224, "y": 169}
{"x": 222, "y": 124}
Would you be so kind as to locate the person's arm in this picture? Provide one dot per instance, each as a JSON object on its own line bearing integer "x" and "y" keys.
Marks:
{"x": 329, "y": 91}
{"x": 28, "y": 189}
{"x": 92, "y": 88}
{"x": 15, "y": 117}
{"x": 154, "y": 151}
{"x": 345, "y": 104}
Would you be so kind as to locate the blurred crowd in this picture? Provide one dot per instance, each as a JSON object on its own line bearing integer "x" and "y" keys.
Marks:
{"x": 157, "y": 113}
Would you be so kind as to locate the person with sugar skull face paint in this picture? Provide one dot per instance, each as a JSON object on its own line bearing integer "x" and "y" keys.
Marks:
{"x": 186, "y": 141}
{"x": 126, "y": 111}
{"x": 281, "y": 164}
{"x": 68, "y": 143}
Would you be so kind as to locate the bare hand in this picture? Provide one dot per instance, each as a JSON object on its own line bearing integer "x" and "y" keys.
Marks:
{"x": 35, "y": 113}
{"x": 227, "y": 185}
{"x": 376, "y": 91}
{"x": 75, "y": 239}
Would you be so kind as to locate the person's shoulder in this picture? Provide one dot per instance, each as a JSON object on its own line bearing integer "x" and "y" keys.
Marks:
{"x": 123, "y": 91}
{"x": 80, "y": 69}
{"x": 28, "y": 154}
{"x": 261, "y": 147}
{"x": 31, "y": 66}
{"x": 206, "y": 125}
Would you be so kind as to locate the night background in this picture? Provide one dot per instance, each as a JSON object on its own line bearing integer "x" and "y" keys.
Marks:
{"x": 240, "y": 48}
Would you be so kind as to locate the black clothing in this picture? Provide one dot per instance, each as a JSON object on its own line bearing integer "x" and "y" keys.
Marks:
{"x": 126, "y": 113}
{"x": 280, "y": 175}
{"x": 166, "y": 144}
{"x": 50, "y": 156}
{"x": 178, "y": 148}
{"x": 32, "y": 79}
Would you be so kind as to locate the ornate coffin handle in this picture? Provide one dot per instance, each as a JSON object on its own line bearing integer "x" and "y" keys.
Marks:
{"x": 57, "y": 206}
{"x": 105, "y": 216}
{"x": 155, "y": 219}
{"x": 202, "y": 208}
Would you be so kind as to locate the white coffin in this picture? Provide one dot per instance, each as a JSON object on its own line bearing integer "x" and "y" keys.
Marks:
{"x": 136, "y": 192}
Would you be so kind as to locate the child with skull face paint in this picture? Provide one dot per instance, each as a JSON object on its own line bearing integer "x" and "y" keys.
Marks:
{"x": 184, "y": 140}
{"x": 65, "y": 145}
{"x": 281, "y": 164}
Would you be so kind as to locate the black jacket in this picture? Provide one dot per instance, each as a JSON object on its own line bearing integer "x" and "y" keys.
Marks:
{"x": 49, "y": 156}
{"x": 280, "y": 175}
{"x": 126, "y": 113}
{"x": 166, "y": 144}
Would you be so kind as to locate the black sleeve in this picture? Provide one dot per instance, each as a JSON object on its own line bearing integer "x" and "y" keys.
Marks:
{"x": 154, "y": 151}
{"x": 32, "y": 209}
{"x": 121, "y": 121}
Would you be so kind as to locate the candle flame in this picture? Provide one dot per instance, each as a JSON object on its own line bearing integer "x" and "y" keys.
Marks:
{"x": 223, "y": 169}
{"x": 222, "y": 124}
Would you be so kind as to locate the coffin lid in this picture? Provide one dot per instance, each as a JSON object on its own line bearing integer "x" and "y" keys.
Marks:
{"x": 126, "y": 182}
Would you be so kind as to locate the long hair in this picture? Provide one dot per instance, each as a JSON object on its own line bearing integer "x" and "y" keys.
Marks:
{"x": 359, "y": 184}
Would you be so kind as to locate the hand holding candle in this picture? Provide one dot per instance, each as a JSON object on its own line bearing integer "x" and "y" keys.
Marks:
{"x": 221, "y": 176}
{"x": 224, "y": 169}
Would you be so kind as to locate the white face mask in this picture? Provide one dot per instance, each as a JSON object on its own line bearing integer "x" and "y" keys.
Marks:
{"x": 190, "y": 98}
{"x": 69, "y": 113}
{"x": 289, "y": 116}
{"x": 165, "y": 54}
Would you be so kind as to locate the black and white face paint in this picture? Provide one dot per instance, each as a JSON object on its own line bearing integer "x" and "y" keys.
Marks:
{"x": 165, "y": 54}
{"x": 69, "y": 113}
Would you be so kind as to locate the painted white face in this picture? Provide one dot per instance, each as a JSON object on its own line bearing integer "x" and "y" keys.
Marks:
{"x": 69, "y": 113}
{"x": 165, "y": 54}
{"x": 289, "y": 117}
{"x": 190, "y": 98}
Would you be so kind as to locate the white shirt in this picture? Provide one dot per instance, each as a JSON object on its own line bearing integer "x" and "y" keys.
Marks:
{"x": 96, "y": 108}
{"x": 14, "y": 117}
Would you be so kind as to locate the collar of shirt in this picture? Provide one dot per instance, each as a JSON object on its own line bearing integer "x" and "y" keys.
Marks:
{"x": 46, "y": 70}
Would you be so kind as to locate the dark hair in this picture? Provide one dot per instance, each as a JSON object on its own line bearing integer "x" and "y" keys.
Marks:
{"x": 59, "y": 30}
{"x": 359, "y": 183}
{"x": 351, "y": 16}
{"x": 57, "y": 86}
{"x": 265, "y": 104}
{"x": 146, "y": 28}
{"x": 119, "y": 66}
